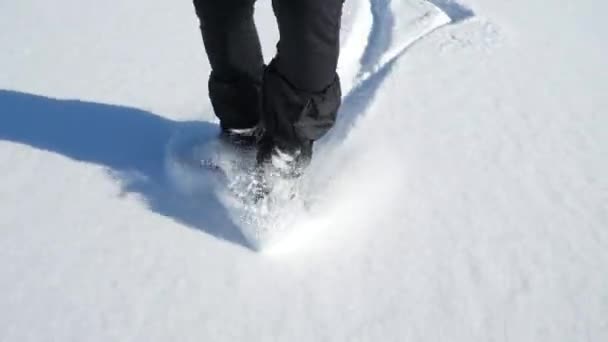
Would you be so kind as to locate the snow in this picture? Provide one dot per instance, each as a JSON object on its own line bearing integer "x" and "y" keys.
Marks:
{"x": 462, "y": 196}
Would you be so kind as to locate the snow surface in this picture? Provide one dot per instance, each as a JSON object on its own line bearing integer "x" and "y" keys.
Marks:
{"x": 462, "y": 197}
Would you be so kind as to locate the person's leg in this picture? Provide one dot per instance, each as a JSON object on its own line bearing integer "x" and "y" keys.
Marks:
{"x": 301, "y": 89}
{"x": 233, "y": 48}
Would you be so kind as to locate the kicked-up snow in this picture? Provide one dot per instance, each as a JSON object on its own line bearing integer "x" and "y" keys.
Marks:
{"x": 461, "y": 197}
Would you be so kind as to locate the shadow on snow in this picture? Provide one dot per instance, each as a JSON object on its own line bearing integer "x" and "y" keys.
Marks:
{"x": 129, "y": 142}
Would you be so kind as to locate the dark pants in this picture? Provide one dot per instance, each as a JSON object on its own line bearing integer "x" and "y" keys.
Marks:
{"x": 296, "y": 97}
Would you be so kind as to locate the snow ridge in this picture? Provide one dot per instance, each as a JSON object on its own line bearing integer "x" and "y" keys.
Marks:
{"x": 386, "y": 40}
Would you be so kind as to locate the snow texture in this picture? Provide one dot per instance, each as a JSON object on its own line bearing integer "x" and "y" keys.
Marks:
{"x": 462, "y": 196}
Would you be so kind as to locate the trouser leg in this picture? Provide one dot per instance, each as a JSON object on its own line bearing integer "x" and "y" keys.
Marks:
{"x": 233, "y": 48}
{"x": 301, "y": 89}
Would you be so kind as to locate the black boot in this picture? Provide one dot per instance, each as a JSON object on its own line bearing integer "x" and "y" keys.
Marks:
{"x": 284, "y": 162}
{"x": 292, "y": 120}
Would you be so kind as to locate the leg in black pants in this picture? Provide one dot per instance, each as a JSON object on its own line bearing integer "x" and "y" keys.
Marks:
{"x": 300, "y": 90}
{"x": 233, "y": 48}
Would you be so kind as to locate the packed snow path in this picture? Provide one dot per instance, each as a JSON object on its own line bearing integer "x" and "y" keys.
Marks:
{"x": 462, "y": 197}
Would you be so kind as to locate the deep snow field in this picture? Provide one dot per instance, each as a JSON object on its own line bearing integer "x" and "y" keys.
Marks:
{"x": 463, "y": 196}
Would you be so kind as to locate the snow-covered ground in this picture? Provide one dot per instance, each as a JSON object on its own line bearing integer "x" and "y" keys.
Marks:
{"x": 462, "y": 197}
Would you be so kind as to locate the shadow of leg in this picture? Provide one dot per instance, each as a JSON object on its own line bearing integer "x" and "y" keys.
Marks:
{"x": 129, "y": 142}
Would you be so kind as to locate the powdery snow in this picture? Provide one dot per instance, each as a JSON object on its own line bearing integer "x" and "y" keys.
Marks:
{"x": 462, "y": 196}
